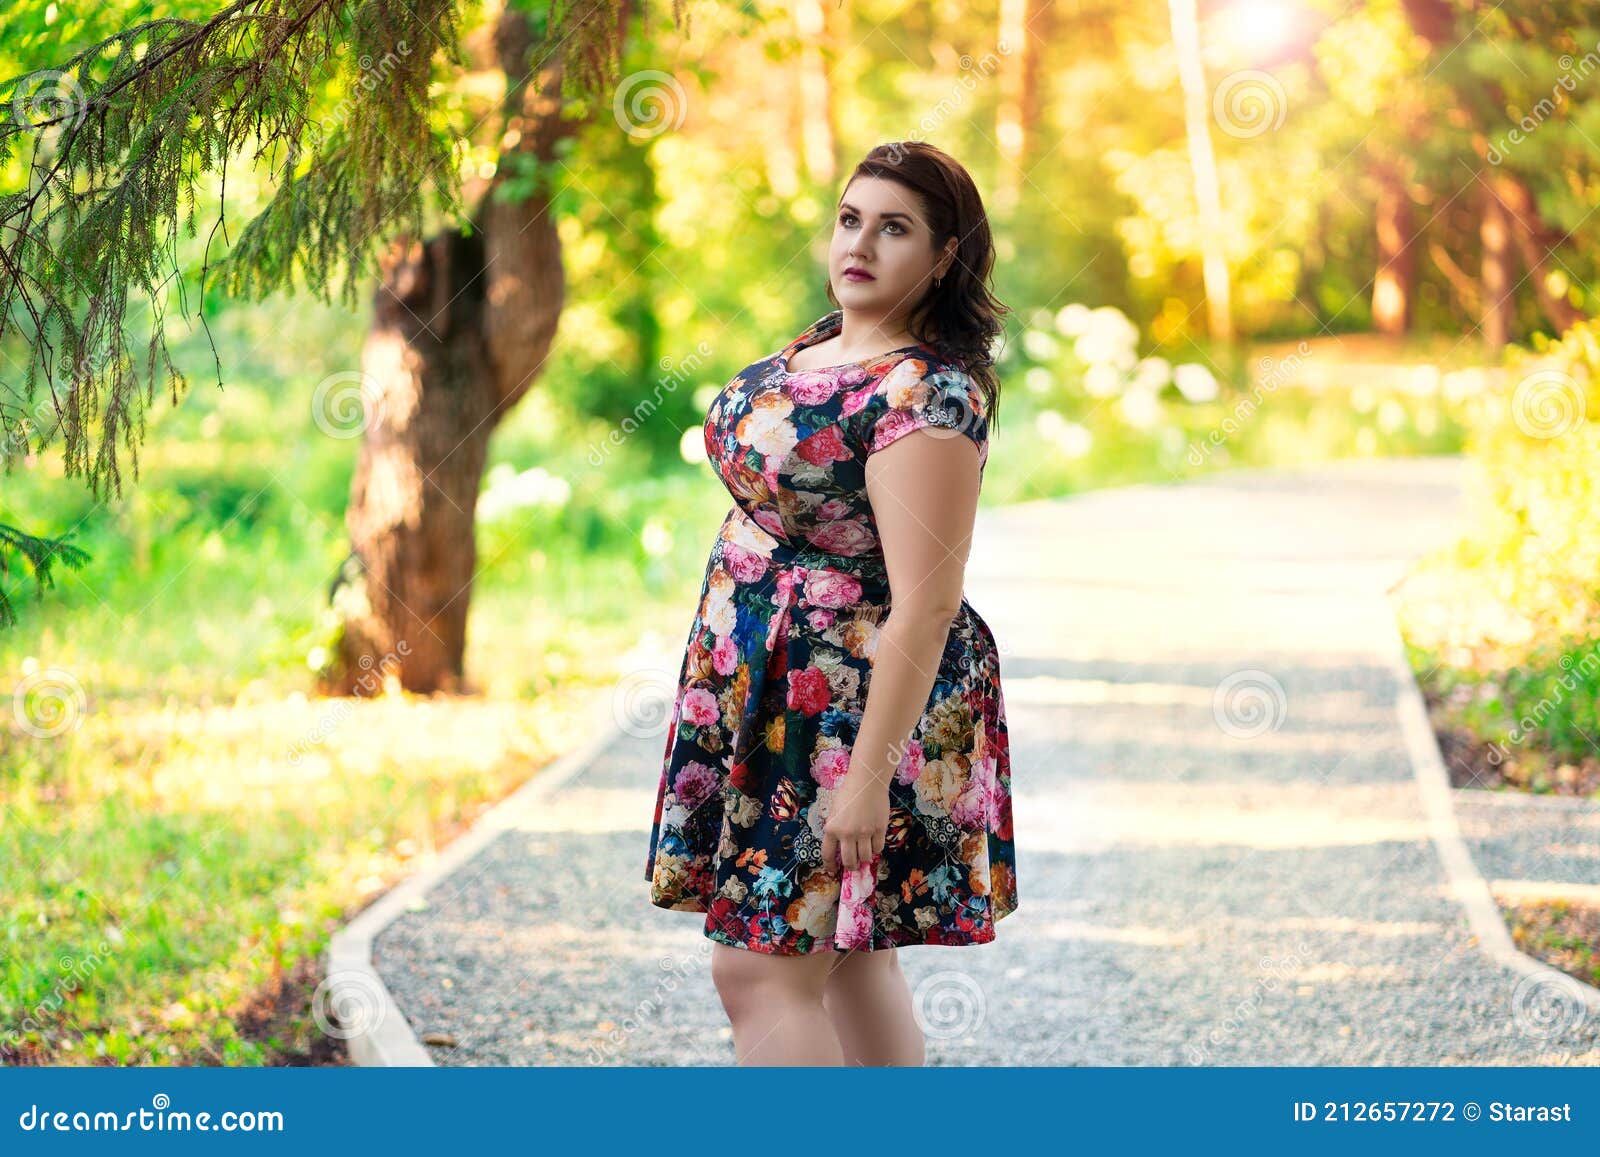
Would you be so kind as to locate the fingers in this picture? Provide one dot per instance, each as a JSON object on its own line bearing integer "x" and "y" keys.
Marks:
{"x": 851, "y": 851}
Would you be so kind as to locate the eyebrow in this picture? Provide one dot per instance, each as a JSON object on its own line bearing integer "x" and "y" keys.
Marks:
{"x": 885, "y": 216}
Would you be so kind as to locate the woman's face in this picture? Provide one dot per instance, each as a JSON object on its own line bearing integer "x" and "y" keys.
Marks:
{"x": 880, "y": 229}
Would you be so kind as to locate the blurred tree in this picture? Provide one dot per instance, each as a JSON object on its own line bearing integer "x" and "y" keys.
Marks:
{"x": 1490, "y": 112}
{"x": 362, "y": 107}
{"x": 1203, "y": 167}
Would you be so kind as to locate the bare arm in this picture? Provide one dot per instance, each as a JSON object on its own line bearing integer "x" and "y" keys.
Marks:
{"x": 924, "y": 495}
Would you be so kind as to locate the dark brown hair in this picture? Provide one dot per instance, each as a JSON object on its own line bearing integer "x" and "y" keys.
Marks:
{"x": 960, "y": 316}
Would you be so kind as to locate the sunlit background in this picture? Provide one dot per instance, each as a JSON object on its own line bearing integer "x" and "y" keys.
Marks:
{"x": 1232, "y": 235}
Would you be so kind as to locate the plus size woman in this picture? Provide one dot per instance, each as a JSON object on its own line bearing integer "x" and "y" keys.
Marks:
{"x": 837, "y": 778}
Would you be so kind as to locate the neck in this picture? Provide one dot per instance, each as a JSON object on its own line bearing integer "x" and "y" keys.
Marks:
{"x": 859, "y": 330}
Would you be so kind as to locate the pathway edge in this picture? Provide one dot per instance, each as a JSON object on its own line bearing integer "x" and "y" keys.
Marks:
{"x": 382, "y": 1037}
{"x": 1462, "y": 876}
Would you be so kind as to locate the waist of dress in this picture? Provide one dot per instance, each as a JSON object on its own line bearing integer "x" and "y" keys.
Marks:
{"x": 744, "y": 532}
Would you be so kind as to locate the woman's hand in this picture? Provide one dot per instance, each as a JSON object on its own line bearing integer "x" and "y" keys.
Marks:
{"x": 858, "y": 822}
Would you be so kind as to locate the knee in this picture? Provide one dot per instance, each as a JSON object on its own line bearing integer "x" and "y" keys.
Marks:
{"x": 744, "y": 978}
{"x": 736, "y": 977}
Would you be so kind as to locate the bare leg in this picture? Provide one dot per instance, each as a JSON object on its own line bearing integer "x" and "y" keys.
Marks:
{"x": 775, "y": 1006}
{"x": 869, "y": 1002}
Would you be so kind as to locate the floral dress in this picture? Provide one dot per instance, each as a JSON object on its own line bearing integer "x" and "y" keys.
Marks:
{"x": 776, "y": 671}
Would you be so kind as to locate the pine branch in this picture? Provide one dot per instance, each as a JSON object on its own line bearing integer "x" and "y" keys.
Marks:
{"x": 41, "y": 554}
{"x": 125, "y": 138}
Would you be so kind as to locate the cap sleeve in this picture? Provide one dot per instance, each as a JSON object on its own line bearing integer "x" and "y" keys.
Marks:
{"x": 916, "y": 395}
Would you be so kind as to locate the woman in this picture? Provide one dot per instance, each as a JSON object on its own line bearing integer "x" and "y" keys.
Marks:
{"x": 820, "y": 828}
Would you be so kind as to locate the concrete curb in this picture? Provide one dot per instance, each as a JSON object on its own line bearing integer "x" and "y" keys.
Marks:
{"x": 1461, "y": 873}
{"x": 378, "y": 1034}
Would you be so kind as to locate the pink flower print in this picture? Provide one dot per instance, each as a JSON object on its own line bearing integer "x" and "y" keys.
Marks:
{"x": 820, "y": 620}
{"x": 893, "y": 424}
{"x": 972, "y": 807}
{"x": 700, "y": 707}
{"x": 833, "y": 509}
{"x": 911, "y": 763}
{"x": 850, "y": 375}
{"x": 725, "y": 656}
{"x": 808, "y": 691}
{"x": 856, "y": 401}
{"x": 846, "y": 536}
{"x": 694, "y": 784}
{"x": 855, "y": 905}
{"x": 830, "y": 765}
{"x": 824, "y": 448}
{"x": 745, "y": 566}
{"x": 829, "y": 588}
{"x": 784, "y": 584}
{"x": 812, "y": 388}
{"x": 768, "y": 520}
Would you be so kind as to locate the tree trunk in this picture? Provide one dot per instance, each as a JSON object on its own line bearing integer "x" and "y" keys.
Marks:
{"x": 1535, "y": 241}
{"x": 1203, "y": 166}
{"x": 813, "y": 96}
{"x": 1397, "y": 264}
{"x": 431, "y": 402}
{"x": 1011, "y": 127}
{"x": 461, "y": 327}
{"x": 1494, "y": 231}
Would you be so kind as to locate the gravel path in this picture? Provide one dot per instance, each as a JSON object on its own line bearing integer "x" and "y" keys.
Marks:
{"x": 1224, "y": 855}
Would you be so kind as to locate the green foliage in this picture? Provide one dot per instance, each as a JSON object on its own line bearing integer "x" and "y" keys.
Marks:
{"x": 116, "y": 145}
{"x": 1523, "y": 665}
{"x": 40, "y": 554}
{"x": 1538, "y": 442}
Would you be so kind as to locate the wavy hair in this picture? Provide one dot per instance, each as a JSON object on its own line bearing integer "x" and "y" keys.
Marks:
{"x": 960, "y": 316}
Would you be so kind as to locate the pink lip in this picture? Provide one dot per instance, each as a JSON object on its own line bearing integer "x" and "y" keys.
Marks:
{"x": 859, "y": 275}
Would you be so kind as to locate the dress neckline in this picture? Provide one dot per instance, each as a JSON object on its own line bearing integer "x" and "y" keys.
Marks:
{"x": 824, "y": 328}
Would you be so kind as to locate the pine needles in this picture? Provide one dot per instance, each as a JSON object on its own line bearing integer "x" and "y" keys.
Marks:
{"x": 124, "y": 139}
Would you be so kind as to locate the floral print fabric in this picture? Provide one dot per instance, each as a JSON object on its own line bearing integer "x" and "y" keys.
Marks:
{"x": 776, "y": 672}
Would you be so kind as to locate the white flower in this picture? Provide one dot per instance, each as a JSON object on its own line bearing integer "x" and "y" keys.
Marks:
{"x": 1109, "y": 337}
{"x": 1039, "y": 380}
{"x": 1152, "y": 373}
{"x": 1102, "y": 381}
{"x": 1072, "y": 320}
{"x": 1072, "y": 438}
{"x": 1195, "y": 382}
{"x": 1040, "y": 345}
{"x": 656, "y": 538}
{"x": 1391, "y": 415}
{"x": 506, "y": 491}
{"x": 1140, "y": 408}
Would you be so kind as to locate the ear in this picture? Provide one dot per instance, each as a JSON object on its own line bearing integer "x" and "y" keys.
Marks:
{"x": 950, "y": 248}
